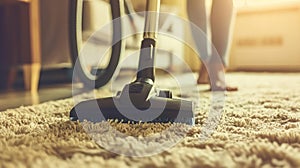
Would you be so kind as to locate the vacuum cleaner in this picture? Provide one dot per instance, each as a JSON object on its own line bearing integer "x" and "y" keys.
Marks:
{"x": 139, "y": 101}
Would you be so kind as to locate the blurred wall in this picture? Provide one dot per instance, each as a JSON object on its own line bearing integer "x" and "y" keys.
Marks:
{"x": 266, "y": 38}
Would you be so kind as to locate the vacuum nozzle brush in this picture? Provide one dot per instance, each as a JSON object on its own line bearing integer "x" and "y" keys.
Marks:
{"x": 138, "y": 102}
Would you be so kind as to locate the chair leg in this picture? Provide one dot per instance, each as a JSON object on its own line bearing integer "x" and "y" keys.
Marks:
{"x": 32, "y": 76}
{"x": 32, "y": 71}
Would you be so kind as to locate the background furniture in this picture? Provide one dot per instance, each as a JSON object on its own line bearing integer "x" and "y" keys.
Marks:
{"x": 34, "y": 36}
{"x": 20, "y": 42}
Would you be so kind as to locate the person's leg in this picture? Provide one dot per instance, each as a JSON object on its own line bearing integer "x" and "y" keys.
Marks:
{"x": 197, "y": 15}
{"x": 221, "y": 24}
{"x": 221, "y": 21}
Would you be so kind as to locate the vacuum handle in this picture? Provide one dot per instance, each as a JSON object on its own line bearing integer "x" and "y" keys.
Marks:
{"x": 152, "y": 17}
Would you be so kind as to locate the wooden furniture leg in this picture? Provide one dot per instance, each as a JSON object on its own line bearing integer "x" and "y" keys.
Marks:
{"x": 32, "y": 76}
{"x": 32, "y": 71}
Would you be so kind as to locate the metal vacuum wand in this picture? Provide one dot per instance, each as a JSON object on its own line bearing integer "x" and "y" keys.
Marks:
{"x": 146, "y": 69}
{"x": 152, "y": 18}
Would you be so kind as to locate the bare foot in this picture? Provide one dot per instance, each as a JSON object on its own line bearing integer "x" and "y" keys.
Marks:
{"x": 216, "y": 86}
{"x": 231, "y": 88}
{"x": 203, "y": 76}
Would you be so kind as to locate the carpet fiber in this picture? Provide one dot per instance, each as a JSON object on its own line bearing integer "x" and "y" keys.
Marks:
{"x": 260, "y": 127}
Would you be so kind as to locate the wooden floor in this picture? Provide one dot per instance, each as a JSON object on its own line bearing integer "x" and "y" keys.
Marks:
{"x": 17, "y": 98}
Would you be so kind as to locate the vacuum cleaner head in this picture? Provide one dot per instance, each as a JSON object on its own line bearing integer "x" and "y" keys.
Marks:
{"x": 138, "y": 102}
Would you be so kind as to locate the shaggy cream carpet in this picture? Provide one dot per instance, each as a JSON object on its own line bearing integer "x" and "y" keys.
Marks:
{"x": 260, "y": 127}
